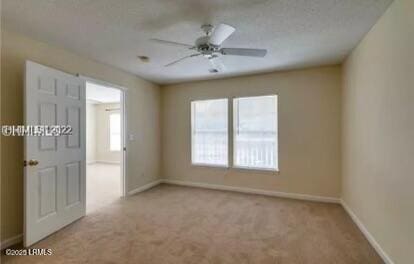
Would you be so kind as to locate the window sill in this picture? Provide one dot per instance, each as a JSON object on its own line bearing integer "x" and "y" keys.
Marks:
{"x": 260, "y": 170}
{"x": 240, "y": 168}
{"x": 210, "y": 165}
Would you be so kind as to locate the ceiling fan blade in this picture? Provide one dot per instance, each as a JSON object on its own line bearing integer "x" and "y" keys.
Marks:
{"x": 220, "y": 34}
{"x": 217, "y": 64}
{"x": 181, "y": 59}
{"x": 244, "y": 52}
{"x": 171, "y": 43}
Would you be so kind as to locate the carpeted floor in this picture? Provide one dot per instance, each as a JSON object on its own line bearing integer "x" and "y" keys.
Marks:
{"x": 103, "y": 185}
{"x": 171, "y": 224}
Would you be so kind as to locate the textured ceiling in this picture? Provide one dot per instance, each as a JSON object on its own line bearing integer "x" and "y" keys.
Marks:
{"x": 102, "y": 94}
{"x": 297, "y": 33}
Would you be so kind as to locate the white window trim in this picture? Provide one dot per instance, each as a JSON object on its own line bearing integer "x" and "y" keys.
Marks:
{"x": 233, "y": 138}
{"x": 254, "y": 169}
{"x": 192, "y": 122}
{"x": 218, "y": 166}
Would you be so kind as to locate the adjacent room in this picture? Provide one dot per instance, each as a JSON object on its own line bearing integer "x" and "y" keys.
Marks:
{"x": 189, "y": 131}
{"x": 104, "y": 158}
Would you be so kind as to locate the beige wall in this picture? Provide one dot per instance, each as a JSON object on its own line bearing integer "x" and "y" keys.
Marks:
{"x": 103, "y": 152}
{"x": 309, "y": 131}
{"x": 378, "y": 132}
{"x": 97, "y": 133}
{"x": 143, "y": 115}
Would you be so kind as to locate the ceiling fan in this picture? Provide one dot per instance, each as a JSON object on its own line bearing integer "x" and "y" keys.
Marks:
{"x": 209, "y": 46}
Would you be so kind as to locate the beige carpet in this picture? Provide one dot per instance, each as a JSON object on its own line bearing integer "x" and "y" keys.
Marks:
{"x": 103, "y": 185}
{"x": 171, "y": 224}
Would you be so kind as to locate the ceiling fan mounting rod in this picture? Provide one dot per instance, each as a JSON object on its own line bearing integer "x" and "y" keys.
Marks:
{"x": 207, "y": 28}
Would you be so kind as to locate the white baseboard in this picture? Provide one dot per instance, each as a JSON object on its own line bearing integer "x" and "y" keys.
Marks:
{"x": 107, "y": 162}
{"x": 144, "y": 187}
{"x": 367, "y": 234}
{"x": 11, "y": 241}
{"x": 297, "y": 196}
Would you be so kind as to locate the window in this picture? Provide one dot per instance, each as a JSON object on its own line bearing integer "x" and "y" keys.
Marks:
{"x": 255, "y": 132}
{"x": 115, "y": 132}
{"x": 209, "y": 132}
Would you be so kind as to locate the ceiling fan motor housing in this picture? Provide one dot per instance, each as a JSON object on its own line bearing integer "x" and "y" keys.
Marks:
{"x": 203, "y": 46}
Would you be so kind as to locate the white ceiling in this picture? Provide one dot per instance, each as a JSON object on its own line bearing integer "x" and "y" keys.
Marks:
{"x": 297, "y": 33}
{"x": 102, "y": 94}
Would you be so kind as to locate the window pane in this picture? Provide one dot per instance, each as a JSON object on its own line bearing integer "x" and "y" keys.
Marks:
{"x": 255, "y": 132}
{"x": 209, "y": 132}
{"x": 115, "y": 132}
{"x": 115, "y": 142}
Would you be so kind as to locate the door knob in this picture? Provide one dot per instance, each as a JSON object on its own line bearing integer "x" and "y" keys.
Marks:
{"x": 33, "y": 162}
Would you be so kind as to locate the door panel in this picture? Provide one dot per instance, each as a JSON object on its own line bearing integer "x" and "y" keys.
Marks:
{"x": 73, "y": 188}
{"x": 73, "y": 91}
{"x": 47, "y": 85}
{"x": 47, "y": 192}
{"x": 47, "y": 116}
{"x": 73, "y": 120}
{"x": 55, "y": 187}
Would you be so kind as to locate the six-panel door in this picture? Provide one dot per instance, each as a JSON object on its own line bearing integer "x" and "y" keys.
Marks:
{"x": 55, "y": 187}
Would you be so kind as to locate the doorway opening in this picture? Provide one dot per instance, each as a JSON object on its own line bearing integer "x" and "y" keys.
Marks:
{"x": 104, "y": 145}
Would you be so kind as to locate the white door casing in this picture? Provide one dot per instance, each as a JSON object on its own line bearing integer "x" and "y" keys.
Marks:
{"x": 55, "y": 188}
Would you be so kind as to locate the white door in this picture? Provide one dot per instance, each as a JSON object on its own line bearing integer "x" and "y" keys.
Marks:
{"x": 55, "y": 183}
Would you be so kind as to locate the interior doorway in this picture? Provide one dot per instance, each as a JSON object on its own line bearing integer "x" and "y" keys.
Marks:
{"x": 104, "y": 145}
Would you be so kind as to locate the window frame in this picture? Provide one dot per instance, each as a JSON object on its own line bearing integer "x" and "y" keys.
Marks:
{"x": 233, "y": 137}
{"x": 203, "y": 164}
